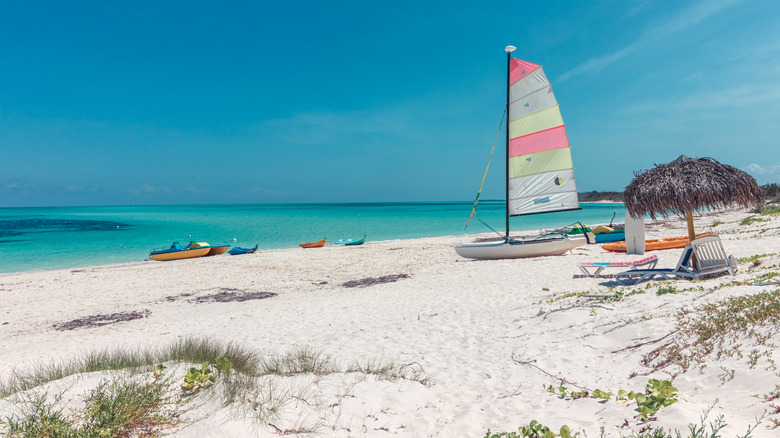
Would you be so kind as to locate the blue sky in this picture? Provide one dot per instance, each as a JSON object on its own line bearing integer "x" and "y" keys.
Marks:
{"x": 179, "y": 102}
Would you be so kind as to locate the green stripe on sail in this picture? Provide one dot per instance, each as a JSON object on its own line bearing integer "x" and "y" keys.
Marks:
{"x": 538, "y": 121}
{"x": 545, "y": 161}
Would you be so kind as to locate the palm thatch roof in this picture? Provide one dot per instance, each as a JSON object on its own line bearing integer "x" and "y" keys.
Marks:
{"x": 688, "y": 184}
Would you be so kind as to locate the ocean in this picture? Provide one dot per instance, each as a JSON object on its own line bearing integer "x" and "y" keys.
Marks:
{"x": 45, "y": 238}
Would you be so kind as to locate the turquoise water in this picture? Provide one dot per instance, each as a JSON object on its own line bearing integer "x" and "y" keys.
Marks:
{"x": 69, "y": 237}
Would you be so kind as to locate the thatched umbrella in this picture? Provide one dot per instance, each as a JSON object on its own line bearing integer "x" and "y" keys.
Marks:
{"x": 688, "y": 184}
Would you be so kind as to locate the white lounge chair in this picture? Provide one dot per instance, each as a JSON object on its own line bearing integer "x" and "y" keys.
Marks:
{"x": 595, "y": 269}
{"x": 710, "y": 259}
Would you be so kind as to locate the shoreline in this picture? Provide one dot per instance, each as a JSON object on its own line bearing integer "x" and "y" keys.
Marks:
{"x": 489, "y": 334}
{"x": 83, "y": 237}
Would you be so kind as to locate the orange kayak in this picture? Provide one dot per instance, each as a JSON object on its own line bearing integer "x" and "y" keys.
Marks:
{"x": 316, "y": 244}
{"x": 654, "y": 244}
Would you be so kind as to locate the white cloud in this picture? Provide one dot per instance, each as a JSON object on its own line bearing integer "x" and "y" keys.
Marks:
{"x": 683, "y": 20}
{"x": 271, "y": 192}
{"x": 195, "y": 191}
{"x": 764, "y": 174}
{"x": 752, "y": 95}
{"x": 11, "y": 186}
{"x": 152, "y": 189}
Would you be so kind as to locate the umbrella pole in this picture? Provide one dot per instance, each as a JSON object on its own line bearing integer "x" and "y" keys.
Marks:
{"x": 691, "y": 235}
{"x": 689, "y": 217}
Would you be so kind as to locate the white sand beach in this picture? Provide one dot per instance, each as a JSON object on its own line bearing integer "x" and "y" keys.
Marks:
{"x": 488, "y": 335}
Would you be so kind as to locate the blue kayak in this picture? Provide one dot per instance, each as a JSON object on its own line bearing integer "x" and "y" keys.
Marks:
{"x": 237, "y": 250}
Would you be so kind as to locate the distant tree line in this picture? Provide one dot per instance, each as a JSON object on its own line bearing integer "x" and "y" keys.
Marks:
{"x": 600, "y": 196}
{"x": 770, "y": 192}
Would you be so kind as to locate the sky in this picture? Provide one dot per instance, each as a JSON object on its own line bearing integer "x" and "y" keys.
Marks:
{"x": 206, "y": 102}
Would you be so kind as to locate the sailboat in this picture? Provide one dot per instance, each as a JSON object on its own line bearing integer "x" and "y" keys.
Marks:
{"x": 539, "y": 169}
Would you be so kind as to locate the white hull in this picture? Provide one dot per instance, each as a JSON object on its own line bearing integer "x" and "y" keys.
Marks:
{"x": 517, "y": 249}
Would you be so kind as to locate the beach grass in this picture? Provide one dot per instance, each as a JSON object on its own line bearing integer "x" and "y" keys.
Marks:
{"x": 713, "y": 328}
{"x": 117, "y": 407}
{"x": 129, "y": 404}
{"x": 185, "y": 350}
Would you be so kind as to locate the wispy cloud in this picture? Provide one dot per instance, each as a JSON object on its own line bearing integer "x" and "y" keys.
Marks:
{"x": 196, "y": 191}
{"x": 717, "y": 99}
{"x": 17, "y": 187}
{"x": 150, "y": 189}
{"x": 11, "y": 186}
{"x": 770, "y": 173}
{"x": 683, "y": 20}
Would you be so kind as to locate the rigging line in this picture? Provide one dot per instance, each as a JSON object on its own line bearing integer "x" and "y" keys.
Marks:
{"x": 485, "y": 224}
{"x": 474, "y": 208}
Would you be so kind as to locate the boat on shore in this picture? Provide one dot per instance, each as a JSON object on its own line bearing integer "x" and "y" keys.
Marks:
{"x": 612, "y": 236}
{"x": 213, "y": 249}
{"x": 545, "y": 245}
{"x": 539, "y": 168}
{"x": 350, "y": 242}
{"x": 237, "y": 250}
{"x": 655, "y": 244}
{"x": 317, "y": 244}
{"x": 607, "y": 234}
{"x": 178, "y": 251}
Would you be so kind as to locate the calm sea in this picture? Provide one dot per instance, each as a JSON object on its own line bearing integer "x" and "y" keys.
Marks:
{"x": 69, "y": 237}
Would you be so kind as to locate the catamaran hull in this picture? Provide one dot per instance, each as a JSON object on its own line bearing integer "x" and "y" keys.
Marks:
{"x": 519, "y": 249}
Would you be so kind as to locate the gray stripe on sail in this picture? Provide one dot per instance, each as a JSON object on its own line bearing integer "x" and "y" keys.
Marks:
{"x": 528, "y": 85}
{"x": 532, "y": 103}
{"x": 543, "y": 192}
{"x": 556, "y": 202}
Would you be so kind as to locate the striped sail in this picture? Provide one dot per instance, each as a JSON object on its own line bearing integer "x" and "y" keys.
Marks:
{"x": 541, "y": 173}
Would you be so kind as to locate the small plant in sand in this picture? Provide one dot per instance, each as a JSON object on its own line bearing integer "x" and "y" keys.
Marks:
{"x": 755, "y": 260}
{"x": 773, "y": 398}
{"x": 750, "y": 220}
{"x": 716, "y": 223}
{"x": 534, "y": 430}
{"x": 704, "y": 429}
{"x": 223, "y": 364}
{"x": 764, "y": 277}
{"x": 196, "y": 379}
{"x": 671, "y": 289}
{"x": 658, "y": 394}
{"x": 771, "y": 209}
{"x": 562, "y": 392}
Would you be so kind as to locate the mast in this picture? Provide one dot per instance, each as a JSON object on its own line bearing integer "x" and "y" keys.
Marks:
{"x": 509, "y": 50}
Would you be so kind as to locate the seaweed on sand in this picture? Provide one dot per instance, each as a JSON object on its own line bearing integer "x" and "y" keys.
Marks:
{"x": 370, "y": 281}
{"x": 101, "y": 320}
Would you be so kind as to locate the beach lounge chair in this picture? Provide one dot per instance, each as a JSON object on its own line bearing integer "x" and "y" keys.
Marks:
{"x": 595, "y": 269}
{"x": 710, "y": 256}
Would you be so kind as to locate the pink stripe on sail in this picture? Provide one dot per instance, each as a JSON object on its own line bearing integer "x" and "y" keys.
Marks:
{"x": 553, "y": 138}
{"x": 519, "y": 69}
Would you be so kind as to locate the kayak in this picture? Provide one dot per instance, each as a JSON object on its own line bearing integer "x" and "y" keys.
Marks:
{"x": 351, "y": 242}
{"x": 655, "y": 244}
{"x": 611, "y": 236}
{"x": 237, "y": 250}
